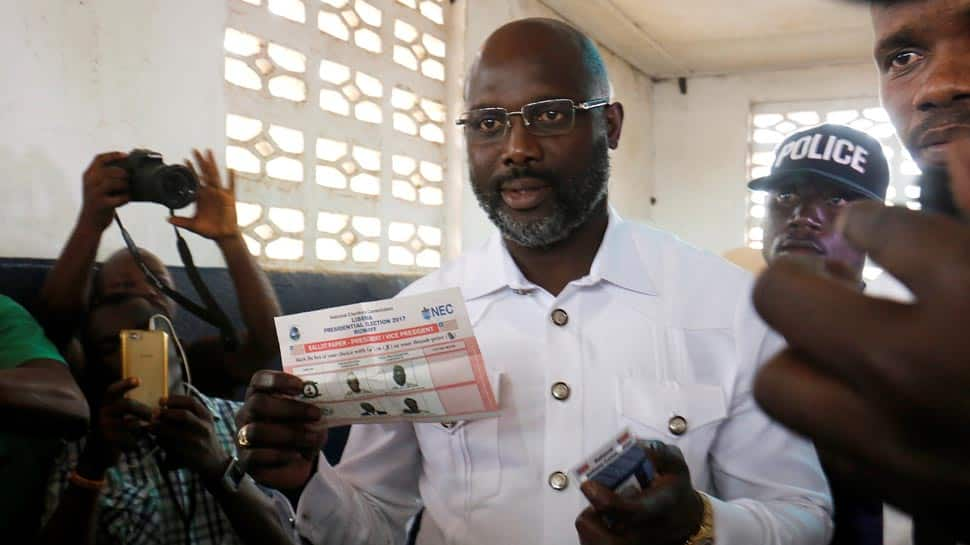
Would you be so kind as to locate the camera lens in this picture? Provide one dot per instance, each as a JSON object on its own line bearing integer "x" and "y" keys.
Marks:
{"x": 179, "y": 186}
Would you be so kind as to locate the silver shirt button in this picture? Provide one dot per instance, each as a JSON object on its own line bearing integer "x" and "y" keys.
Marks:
{"x": 559, "y": 317}
{"x": 560, "y": 391}
{"x": 558, "y": 480}
{"x": 677, "y": 425}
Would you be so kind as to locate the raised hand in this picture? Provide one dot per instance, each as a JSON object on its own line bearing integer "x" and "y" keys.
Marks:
{"x": 880, "y": 386}
{"x": 104, "y": 188}
{"x": 215, "y": 209}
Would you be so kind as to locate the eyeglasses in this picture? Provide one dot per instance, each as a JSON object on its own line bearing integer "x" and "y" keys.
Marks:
{"x": 544, "y": 118}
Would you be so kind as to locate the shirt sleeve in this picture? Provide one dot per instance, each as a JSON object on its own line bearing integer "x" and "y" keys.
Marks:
{"x": 776, "y": 492}
{"x": 21, "y": 337}
{"x": 57, "y": 480}
{"x": 369, "y": 497}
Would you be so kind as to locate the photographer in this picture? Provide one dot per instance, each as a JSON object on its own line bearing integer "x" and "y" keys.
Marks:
{"x": 162, "y": 476}
{"x": 70, "y": 287}
{"x": 885, "y": 395}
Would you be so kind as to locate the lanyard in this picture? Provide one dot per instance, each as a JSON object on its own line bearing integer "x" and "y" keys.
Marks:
{"x": 211, "y": 312}
{"x": 186, "y": 514}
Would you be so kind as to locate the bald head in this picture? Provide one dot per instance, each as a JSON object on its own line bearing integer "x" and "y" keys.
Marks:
{"x": 539, "y": 184}
{"x": 552, "y": 49}
{"x": 123, "y": 256}
{"x": 121, "y": 275}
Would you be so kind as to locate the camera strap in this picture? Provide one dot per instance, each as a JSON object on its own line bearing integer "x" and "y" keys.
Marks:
{"x": 211, "y": 312}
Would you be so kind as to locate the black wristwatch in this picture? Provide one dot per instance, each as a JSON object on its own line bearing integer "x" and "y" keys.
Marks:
{"x": 233, "y": 476}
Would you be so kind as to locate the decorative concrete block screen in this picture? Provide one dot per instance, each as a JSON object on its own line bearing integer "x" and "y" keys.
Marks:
{"x": 336, "y": 131}
{"x": 772, "y": 122}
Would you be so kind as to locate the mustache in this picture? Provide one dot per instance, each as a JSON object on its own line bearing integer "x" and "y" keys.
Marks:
{"x": 495, "y": 182}
{"x": 940, "y": 118}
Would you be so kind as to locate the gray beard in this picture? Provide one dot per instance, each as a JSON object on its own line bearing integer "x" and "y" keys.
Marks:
{"x": 576, "y": 200}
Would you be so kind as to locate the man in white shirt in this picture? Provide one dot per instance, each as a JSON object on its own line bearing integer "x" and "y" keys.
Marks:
{"x": 587, "y": 324}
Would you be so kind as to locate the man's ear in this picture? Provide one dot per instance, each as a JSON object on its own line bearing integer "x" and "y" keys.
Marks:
{"x": 614, "y": 124}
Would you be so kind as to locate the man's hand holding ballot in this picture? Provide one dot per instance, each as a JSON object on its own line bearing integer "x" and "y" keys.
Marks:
{"x": 279, "y": 435}
{"x": 363, "y": 362}
{"x": 340, "y": 359}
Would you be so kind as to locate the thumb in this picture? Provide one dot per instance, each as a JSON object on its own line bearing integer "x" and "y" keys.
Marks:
{"x": 666, "y": 459}
{"x": 918, "y": 249}
{"x": 185, "y": 223}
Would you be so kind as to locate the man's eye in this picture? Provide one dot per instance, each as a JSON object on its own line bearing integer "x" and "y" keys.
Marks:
{"x": 904, "y": 59}
{"x": 550, "y": 116}
{"x": 836, "y": 201}
{"x": 488, "y": 124}
{"x": 785, "y": 198}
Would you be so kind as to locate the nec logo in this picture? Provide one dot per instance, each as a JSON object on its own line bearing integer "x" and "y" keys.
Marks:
{"x": 438, "y": 311}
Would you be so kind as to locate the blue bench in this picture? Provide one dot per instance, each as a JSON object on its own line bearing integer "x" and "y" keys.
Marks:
{"x": 297, "y": 291}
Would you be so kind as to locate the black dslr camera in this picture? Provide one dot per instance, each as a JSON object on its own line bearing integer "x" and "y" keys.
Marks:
{"x": 151, "y": 180}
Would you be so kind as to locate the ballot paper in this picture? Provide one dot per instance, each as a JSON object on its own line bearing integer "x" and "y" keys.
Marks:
{"x": 405, "y": 359}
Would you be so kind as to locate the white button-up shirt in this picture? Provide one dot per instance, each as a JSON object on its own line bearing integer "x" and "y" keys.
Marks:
{"x": 657, "y": 329}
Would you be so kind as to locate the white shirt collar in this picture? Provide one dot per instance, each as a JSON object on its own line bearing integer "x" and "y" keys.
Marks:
{"x": 618, "y": 261}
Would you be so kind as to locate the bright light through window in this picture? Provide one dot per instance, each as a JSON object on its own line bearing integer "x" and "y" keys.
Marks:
{"x": 337, "y": 129}
{"x": 771, "y": 123}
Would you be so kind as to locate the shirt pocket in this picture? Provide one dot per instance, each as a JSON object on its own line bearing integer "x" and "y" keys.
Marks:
{"x": 658, "y": 410}
{"x": 464, "y": 455}
{"x": 441, "y": 452}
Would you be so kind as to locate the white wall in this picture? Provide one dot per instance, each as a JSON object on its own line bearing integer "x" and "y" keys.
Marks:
{"x": 701, "y": 143}
{"x": 631, "y": 184}
{"x": 115, "y": 74}
{"x": 96, "y": 76}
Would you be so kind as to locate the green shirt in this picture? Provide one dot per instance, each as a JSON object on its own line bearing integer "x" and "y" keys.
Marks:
{"x": 24, "y": 461}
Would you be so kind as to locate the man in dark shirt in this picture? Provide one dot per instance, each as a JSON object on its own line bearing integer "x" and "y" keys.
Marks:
{"x": 39, "y": 402}
{"x": 815, "y": 174}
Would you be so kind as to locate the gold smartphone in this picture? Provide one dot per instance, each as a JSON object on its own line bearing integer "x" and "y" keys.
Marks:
{"x": 144, "y": 354}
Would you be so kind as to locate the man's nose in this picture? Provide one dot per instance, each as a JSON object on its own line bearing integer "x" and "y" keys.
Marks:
{"x": 522, "y": 148}
{"x": 945, "y": 80}
{"x": 807, "y": 216}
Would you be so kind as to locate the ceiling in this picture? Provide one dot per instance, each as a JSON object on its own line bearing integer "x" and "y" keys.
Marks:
{"x": 670, "y": 38}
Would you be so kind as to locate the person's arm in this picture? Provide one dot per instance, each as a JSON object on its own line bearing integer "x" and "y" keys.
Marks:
{"x": 251, "y": 512}
{"x": 368, "y": 499}
{"x": 185, "y": 430}
{"x": 40, "y": 397}
{"x": 770, "y": 486}
{"x": 215, "y": 219}
{"x": 370, "y": 496}
{"x": 63, "y": 296}
{"x": 74, "y": 520}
